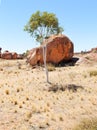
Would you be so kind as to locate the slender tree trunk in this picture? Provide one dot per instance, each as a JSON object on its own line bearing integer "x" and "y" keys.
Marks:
{"x": 44, "y": 58}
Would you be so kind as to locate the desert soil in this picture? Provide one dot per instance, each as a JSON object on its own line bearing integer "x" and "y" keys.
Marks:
{"x": 26, "y": 103}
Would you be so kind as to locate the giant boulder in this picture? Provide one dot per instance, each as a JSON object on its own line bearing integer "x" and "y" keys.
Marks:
{"x": 58, "y": 48}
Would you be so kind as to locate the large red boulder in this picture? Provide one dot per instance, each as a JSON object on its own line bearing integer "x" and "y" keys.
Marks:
{"x": 58, "y": 48}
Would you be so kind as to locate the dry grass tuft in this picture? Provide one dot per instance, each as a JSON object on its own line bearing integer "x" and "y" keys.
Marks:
{"x": 51, "y": 67}
{"x": 7, "y": 92}
{"x": 28, "y": 102}
{"x": 93, "y": 73}
{"x": 87, "y": 124}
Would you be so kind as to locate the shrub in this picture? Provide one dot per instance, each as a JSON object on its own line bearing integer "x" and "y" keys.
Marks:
{"x": 7, "y": 92}
{"x": 93, "y": 73}
{"x": 50, "y": 67}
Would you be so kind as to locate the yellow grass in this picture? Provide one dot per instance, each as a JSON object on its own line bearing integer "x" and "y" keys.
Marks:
{"x": 26, "y": 103}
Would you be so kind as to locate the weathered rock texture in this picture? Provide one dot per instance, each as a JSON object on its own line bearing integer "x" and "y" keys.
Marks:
{"x": 59, "y": 48}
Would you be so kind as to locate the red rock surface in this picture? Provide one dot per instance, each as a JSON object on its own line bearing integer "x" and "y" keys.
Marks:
{"x": 14, "y": 55}
{"x": 6, "y": 55}
{"x": 10, "y": 55}
{"x": 59, "y": 48}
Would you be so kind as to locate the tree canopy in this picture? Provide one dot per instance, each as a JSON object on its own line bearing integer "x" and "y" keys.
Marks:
{"x": 42, "y": 24}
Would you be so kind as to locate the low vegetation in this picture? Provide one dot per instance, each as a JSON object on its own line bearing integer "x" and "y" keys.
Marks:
{"x": 93, "y": 73}
{"x": 87, "y": 124}
{"x": 51, "y": 67}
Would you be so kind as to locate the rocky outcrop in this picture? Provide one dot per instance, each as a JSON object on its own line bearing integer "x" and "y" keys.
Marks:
{"x": 10, "y": 55}
{"x": 6, "y": 55}
{"x": 58, "y": 48}
{"x": 87, "y": 58}
{"x": 14, "y": 55}
{"x": 94, "y": 50}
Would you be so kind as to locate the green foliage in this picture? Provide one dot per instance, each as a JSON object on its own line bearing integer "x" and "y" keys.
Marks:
{"x": 25, "y": 54}
{"x": 42, "y": 24}
{"x": 87, "y": 125}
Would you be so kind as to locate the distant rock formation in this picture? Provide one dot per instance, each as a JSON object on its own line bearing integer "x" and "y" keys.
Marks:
{"x": 10, "y": 55}
{"x": 59, "y": 48}
{"x": 87, "y": 58}
{"x": 6, "y": 55}
{"x": 94, "y": 50}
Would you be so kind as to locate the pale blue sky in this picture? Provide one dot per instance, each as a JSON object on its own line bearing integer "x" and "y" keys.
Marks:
{"x": 77, "y": 17}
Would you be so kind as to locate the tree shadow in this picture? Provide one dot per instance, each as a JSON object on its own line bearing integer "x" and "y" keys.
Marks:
{"x": 69, "y": 87}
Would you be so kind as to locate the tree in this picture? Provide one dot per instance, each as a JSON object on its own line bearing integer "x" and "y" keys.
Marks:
{"x": 41, "y": 25}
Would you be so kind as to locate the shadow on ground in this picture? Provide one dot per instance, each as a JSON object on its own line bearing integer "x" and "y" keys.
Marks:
{"x": 71, "y": 62}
